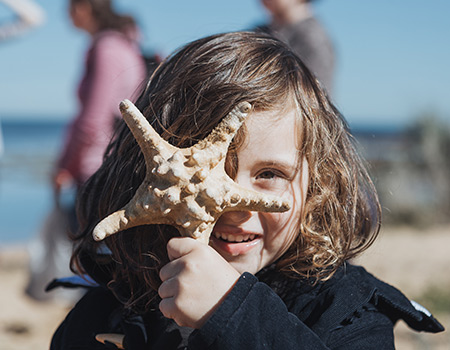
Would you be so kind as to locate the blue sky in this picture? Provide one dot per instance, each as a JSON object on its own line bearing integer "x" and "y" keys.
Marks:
{"x": 393, "y": 56}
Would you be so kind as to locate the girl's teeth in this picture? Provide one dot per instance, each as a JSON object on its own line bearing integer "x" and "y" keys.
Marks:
{"x": 234, "y": 238}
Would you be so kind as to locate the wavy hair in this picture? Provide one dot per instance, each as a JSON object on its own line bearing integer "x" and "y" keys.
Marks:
{"x": 187, "y": 96}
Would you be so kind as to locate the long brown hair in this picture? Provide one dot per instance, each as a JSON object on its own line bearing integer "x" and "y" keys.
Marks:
{"x": 185, "y": 99}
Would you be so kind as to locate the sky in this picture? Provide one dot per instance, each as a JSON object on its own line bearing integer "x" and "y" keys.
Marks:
{"x": 393, "y": 56}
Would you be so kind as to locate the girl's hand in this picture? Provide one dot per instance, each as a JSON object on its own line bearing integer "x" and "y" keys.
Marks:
{"x": 195, "y": 282}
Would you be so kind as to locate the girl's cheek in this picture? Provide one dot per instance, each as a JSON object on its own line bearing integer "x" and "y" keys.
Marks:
{"x": 276, "y": 221}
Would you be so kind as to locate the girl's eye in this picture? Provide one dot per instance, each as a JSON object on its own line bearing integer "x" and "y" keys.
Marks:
{"x": 267, "y": 174}
{"x": 271, "y": 180}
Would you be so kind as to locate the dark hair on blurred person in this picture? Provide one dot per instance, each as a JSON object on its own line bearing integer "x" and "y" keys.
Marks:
{"x": 107, "y": 18}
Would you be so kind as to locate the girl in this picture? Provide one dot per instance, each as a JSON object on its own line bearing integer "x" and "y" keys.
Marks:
{"x": 266, "y": 280}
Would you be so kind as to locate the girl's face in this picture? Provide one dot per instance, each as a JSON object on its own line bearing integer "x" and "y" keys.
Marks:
{"x": 268, "y": 162}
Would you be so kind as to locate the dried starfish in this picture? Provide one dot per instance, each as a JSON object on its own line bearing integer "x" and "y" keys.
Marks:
{"x": 188, "y": 187}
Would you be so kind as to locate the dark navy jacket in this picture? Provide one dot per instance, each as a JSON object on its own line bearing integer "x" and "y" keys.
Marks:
{"x": 352, "y": 310}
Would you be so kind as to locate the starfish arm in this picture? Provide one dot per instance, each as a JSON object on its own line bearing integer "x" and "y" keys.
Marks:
{"x": 220, "y": 138}
{"x": 150, "y": 142}
{"x": 203, "y": 236}
{"x": 242, "y": 199}
{"x": 116, "y": 222}
{"x": 126, "y": 218}
{"x": 138, "y": 211}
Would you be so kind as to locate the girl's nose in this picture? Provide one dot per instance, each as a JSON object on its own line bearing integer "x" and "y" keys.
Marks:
{"x": 235, "y": 217}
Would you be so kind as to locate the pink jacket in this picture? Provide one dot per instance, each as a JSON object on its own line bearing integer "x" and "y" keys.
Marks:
{"x": 114, "y": 71}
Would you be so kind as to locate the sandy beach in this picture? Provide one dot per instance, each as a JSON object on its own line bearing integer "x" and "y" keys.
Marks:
{"x": 415, "y": 261}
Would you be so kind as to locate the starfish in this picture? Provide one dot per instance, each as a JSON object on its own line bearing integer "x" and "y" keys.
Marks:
{"x": 185, "y": 187}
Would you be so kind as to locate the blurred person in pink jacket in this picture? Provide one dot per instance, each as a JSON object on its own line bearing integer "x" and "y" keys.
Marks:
{"x": 114, "y": 69}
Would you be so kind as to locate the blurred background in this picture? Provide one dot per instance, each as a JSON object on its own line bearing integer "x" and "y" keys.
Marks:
{"x": 392, "y": 83}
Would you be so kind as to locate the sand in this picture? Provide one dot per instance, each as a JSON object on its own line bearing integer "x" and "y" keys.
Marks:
{"x": 24, "y": 323}
{"x": 409, "y": 259}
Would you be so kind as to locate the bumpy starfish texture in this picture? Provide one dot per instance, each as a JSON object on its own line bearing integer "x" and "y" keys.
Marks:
{"x": 185, "y": 187}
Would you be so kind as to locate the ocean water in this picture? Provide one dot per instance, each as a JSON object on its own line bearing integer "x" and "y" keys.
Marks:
{"x": 30, "y": 149}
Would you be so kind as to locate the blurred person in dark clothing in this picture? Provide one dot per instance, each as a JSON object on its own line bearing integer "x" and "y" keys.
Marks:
{"x": 293, "y": 22}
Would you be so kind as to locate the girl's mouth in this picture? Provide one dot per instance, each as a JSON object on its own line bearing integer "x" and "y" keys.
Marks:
{"x": 235, "y": 244}
{"x": 232, "y": 238}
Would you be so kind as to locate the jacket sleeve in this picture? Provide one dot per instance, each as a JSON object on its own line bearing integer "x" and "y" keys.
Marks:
{"x": 254, "y": 317}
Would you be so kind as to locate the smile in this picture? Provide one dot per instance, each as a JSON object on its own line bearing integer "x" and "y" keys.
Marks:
{"x": 232, "y": 238}
{"x": 234, "y": 244}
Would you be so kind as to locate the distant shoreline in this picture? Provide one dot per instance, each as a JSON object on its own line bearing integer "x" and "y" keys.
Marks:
{"x": 45, "y": 121}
